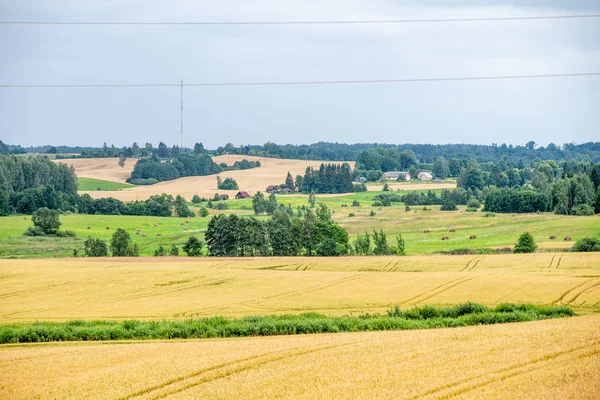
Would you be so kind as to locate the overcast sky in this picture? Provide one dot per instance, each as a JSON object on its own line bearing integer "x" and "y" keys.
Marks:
{"x": 544, "y": 110}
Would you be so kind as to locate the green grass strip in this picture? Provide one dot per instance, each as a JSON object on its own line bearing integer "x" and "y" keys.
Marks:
{"x": 426, "y": 317}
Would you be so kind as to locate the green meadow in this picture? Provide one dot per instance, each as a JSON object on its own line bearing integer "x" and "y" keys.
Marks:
{"x": 492, "y": 232}
{"x": 88, "y": 185}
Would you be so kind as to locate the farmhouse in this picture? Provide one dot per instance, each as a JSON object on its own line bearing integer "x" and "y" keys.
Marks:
{"x": 224, "y": 197}
{"x": 272, "y": 189}
{"x": 425, "y": 176}
{"x": 242, "y": 195}
{"x": 395, "y": 174}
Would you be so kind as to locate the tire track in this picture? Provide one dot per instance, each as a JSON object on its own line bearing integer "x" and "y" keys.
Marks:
{"x": 442, "y": 286}
{"x": 536, "y": 365}
{"x": 559, "y": 260}
{"x": 562, "y": 297}
{"x": 467, "y": 266}
{"x": 250, "y": 365}
{"x": 475, "y": 264}
{"x": 551, "y": 261}
{"x": 569, "y": 302}
{"x": 510, "y": 369}
{"x": 512, "y": 292}
{"x": 444, "y": 290}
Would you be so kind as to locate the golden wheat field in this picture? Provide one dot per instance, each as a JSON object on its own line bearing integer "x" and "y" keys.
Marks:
{"x": 175, "y": 288}
{"x": 272, "y": 172}
{"x": 552, "y": 359}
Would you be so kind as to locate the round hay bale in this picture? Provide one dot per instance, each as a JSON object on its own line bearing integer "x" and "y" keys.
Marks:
{"x": 187, "y": 222}
{"x": 552, "y": 237}
{"x": 181, "y": 224}
{"x": 89, "y": 227}
{"x": 473, "y": 237}
{"x": 105, "y": 240}
{"x": 158, "y": 234}
{"x": 445, "y": 238}
{"x": 143, "y": 235}
{"x": 25, "y": 218}
{"x": 155, "y": 225}
{"x": 138, "y": 232}
{"x": 108, "y": 227}
{"x": 425, "y": 231}
{"x": 567, "y": 239}
{"x": 185, "y": 229}
{"x": 452, "y": 230}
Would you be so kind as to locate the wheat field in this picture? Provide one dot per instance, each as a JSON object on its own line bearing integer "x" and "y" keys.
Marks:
{"x": 552, "y": 359}
{"x": 271, "y": 172}
{"x": 176, "y": 288}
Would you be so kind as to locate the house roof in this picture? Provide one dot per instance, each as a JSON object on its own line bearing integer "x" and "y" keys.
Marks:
{"x": 243, "y": 194}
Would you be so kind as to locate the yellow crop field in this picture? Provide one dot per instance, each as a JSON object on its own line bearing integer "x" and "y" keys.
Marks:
{"x": 553, "y": 359}
{"x": 176, "y": 288}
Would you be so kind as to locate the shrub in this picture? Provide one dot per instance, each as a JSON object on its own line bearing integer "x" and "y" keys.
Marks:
{"x": 193, "y": 247}
{"x": 525, "y": 244}
{"x": 372, "y": 213}
{"x": 67, "y": 233}
{"x": 448, "y": 206}
{"x": 95, "y": 247}
{"x": 174, "y": 250}
{"x": 355, "y": 203}
{"x": 227, "y": 184}
{"x": 122, "y": 246}
{"x": 471, "y": 209}
{"x": 473, "y": 203}
{"x": 352, "y": 215}
{"x": 47, "y": 220}
{"x": 582, "y": 209}
{"x": 142, "y": 181}
{"x": 587, "y": 245}
{"x": 34, "y": 231}
{"x": 196, "y": 199}
{"x": 489, "y": 215}
{"x": 328, "y": 248}
{"x": 203, "y": 212}
{"x": 160, "y": 251}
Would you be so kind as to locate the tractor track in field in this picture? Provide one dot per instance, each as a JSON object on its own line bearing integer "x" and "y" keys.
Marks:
{"x": 559, "y": 260}
{"x": 468, "y": 264}
{"x": 436, "y": 291}
{"x": 230, "y": 368}
{"x": 569, "y": 302}
{"x": 574, "y": 290}
{"x": 475, "y": 264}
{"x": 510, "y": 371}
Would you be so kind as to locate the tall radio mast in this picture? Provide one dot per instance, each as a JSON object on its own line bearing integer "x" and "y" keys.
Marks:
{"x": 181, "y": 148}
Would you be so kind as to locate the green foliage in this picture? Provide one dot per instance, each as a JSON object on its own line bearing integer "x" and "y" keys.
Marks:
{"x": 440, "y": 168}
{"x": 312, "y": 200}
{"x": 122, "y": 246}
{"x": 400, "y": 245}
{"x": 187, "y": 164}
{"x": 362, "y": 245}
{"x": 571, "y": 192}
{"x": 386, "y": 187}
{"x": 372, "y": 213}
{"x": 381, "y": 246}
{"x": 174, "y": 251}
{"x": 515, "y": 201}
{"x": 95, "y": 247}
{"x": 203, "y": 212}
{"x": 587, "y": 245}
{"x": 525, "y": 244}
{"x": 355, "y": 203}
{"x": 582, "y": 209}
{"x": 46, "y": 220}
{"x": 193, "y": 246}
{"x": 142, "y": 181}
{"x": 160, "y": 251}
{"x": 330, "y": 178}
{"x": 426, "y": 317}
{"x": 473, "y": 203}
{"x": 4, "y": 203}
{"x": 196, "y": 199}
{"x": 448, "y": 206}
{"x": 227, "y": 184}
{"x": 181, "y": 208}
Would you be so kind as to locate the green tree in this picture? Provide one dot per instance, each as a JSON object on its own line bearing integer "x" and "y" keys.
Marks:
{"x": 259, "y": 204}
{"x": 386, "y": 187}
{"x": 289, "y": 181}
{"x": 448, "y": 205}
{"x": 95, "y": 247}
{"x": 193, "y": 247}
{"x": 47, "y": 220}
{"x": 271, "y": 204}
{"x": 160, "y": 251}
{"x": 328, "y": 248}
{"x": 203, "y": 212}
{"x": 122, "y": 246}
{"x": 441, "y": 169}
{"x": 4, "y": 203}
{"x": 595, "y": 177}
{"x": 401, "y": 244}
{"x": 181, "y": 208}
{"x": 227, "y": 184}
{"x": 174, "y": 250}
{"x": 525, "y": 244}
{"x": 122, "y": 160}
{"x": 362, "y": 245}
{"x": 382, "y": 247}
{"x": 312, "y": 200}
{"x": 471, "y": 177}
{"x": 196, "y": 199}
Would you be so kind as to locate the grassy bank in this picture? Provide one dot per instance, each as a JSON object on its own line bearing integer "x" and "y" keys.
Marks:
{"x": 426, "y": 317}
{"x": 88, "y": 184}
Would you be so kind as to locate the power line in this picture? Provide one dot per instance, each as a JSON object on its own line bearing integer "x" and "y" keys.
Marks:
{"x": 298, "y": 83}
{"x": 342, "y": 22}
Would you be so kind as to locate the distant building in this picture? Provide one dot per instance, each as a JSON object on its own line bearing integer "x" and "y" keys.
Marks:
{"x": 360, "y": 179}
{"x": 272, "y": 189}
{"x": 393, "y": 175}
{"x": 287, "y": 190}
{"x": 224, "y": 197}
{"x": 242, "y": 195}
{"x": 425, "y": 176}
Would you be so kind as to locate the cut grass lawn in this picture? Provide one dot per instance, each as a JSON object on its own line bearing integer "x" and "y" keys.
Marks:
{"x": 88, "y": 185}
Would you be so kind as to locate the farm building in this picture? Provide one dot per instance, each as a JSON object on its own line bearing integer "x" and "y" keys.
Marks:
{"x": 242, "y": 195}
{"x": 393, "y": 175}
{"x": 224, "y": 197}
{"x": 272, "y": 189}
{"x": 425, "y": 176}
{"x": 287, "y": 190}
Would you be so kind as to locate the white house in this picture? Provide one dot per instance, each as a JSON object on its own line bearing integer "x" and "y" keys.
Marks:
{"x": 393, "y": 175}
{"x": 425, "y": 176}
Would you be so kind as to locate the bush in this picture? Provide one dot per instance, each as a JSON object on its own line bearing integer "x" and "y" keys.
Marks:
{"x": 372, "y": 213}
{"x": 471, "y": 209}
{"x": 95, "y": 247}
{"x": 196, "y": 199}
{"x": 525, "y": 244}
{"x": 352, "y": 215}
{"x": 355, "y": 203}
{"x": 67, "y": 233}
{"x": 193, "y": 247}
{"x": 489, "y": 215}
{"x": 328, "y": 248}
{"x": 47, "y": 220}
{"x": 582, "y": 209}
{"x": 34, "y": 231}
{"x": 473, "y": 203}
{"x": 203, "y": 212}
{"x": 174, "y": 251}
{"x": 122, "y": 246}
{"x": 448, "y": 206}
{"x": 227, "y": 184}
{"x": 142, "y": 181}
{"x": 160, "y": 251}
{"x": 587, "y": 245}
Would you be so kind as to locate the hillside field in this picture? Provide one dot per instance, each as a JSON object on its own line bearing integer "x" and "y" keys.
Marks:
{"x": 89, "y": 184}
{"x": 499, "y": 231}
{"x": 553, "y": 359}
{"x": 271, "y": 172}
{"x": 181, "y": 287}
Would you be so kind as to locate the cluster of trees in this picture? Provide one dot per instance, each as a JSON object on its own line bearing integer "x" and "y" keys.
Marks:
{"x": 515, "y": 200}
{"x": 377, "y": 244}
{"x": 163, "y": 205}
{"x": 380, "y": 159}
{"x": 227, "y": 184}
{"x": 6, "y": 149}
{"x": 330, "y": 178}
{"x": 281, "y": 235}
{"x": 190, "y": 164}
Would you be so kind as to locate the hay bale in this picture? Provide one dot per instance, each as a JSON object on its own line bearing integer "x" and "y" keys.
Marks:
{"x": 445, "y": 238}
{"x": 89, "y": 227}
{"x": 552, "y": 237}
{"x": 567, "y": 239}
{"x": 473, "y": 237}
{"x": 143, "y": 235}
{"x": 108, "y": 227}
{"x": 158, "y": 234}
{"x": 426, "y": 231}
{"x": 155, "y": 225}
{"x": 181, "y": 224}
{"x": 185, "y": 229}
{"x": 452, "y": 230}
{"x": 138, "y": 232}
{"x": 187, "y": 222}
{"x": 25, "y": 218}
